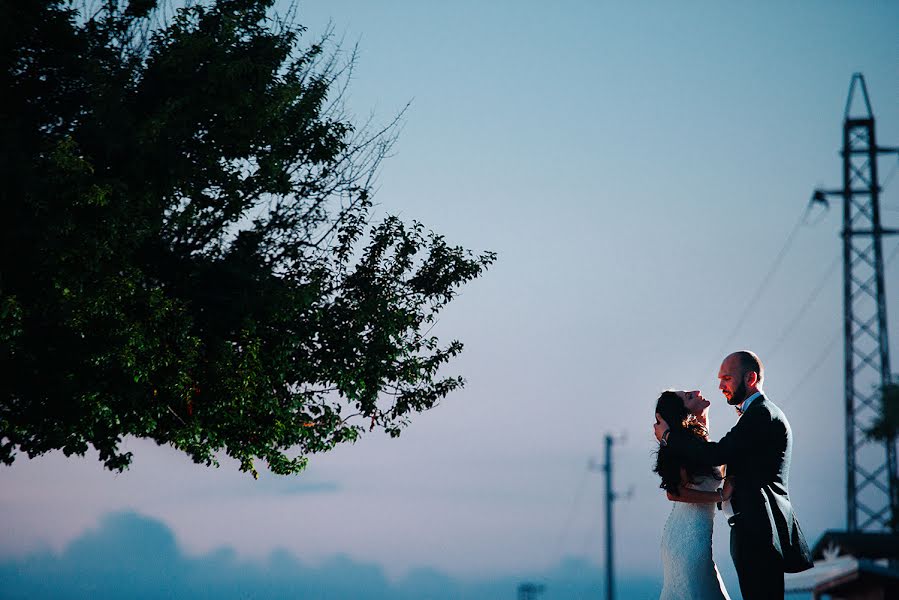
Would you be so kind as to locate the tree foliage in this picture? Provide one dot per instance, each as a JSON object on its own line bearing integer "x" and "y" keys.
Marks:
{"x": 188, "y": 253}
{"x": 886, "y": 425}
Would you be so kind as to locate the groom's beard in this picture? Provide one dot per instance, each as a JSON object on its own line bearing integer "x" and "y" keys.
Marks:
{"x": 739, "y": 394}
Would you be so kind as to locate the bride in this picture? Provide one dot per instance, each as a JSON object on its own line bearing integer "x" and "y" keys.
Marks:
{"x": 690, "y": 572}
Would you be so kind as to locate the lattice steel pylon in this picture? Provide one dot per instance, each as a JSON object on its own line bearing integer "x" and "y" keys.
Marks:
{"x": 870, "y": 464}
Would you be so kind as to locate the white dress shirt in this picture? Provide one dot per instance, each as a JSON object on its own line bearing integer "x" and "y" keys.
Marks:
{"x": 745, "y": 404}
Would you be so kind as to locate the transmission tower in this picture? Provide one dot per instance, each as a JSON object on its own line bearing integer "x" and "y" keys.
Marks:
{"x": 870, "y": 464}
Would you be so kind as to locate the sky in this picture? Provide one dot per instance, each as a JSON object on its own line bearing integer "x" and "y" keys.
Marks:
{"x": 637, "y": 167}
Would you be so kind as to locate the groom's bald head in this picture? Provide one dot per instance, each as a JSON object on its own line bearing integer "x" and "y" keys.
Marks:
{"x": 740, "y": 376}
{"x": 748, "y": 362}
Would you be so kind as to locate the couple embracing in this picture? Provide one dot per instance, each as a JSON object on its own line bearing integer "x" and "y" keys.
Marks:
{"x": 745, "y": 474}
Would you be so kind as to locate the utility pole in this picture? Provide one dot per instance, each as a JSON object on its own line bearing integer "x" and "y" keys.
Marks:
{"x": 870, "y": 464}
{"x": 610, "y": 547}
{"x": 610, "y": 498}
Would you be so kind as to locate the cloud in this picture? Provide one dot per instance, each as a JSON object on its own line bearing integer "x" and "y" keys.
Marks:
{"x": 131, "y": 555}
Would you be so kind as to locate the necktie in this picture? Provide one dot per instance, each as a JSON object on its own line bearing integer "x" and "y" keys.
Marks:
{"x": 739, "y": 408}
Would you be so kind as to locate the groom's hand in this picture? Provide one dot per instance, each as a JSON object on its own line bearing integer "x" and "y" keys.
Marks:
{"x": 728, "y": 490}
{"x": 660, "y": 426}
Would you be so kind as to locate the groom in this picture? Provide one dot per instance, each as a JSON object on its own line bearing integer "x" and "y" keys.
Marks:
{"x": 765, "y": 538}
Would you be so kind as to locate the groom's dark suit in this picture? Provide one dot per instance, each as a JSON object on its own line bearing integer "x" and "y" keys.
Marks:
{"x": 765, "y": 538}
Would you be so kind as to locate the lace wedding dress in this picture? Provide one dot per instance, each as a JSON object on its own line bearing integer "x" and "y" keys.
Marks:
{"x": 690, "y": 572}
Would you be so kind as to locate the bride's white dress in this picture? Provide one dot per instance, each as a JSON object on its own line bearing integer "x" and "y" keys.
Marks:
{"x": 690, "y": 572}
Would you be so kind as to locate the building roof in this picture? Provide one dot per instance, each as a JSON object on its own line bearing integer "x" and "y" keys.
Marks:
{"x": 857, "y": 544}
{"x": 830, "y": 575}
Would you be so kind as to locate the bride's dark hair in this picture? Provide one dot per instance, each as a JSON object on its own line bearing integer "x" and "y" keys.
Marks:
{"x": 668, "y": 465}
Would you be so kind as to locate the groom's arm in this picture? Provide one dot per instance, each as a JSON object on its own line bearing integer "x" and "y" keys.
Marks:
{"x": 692, "y": 496}
{"x": 685, "y": 493}
{"x": 735, "y": 443}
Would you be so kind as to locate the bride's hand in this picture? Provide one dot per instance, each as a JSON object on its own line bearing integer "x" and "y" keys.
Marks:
{"x": 728, "y": 490}
{"x": 659, "y": 427}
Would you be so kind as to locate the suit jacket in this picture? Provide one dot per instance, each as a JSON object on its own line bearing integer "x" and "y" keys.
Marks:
{"x": 757, "y": 452}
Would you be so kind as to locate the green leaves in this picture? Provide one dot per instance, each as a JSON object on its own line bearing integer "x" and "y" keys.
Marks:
{"x": 886, "y": 425}
{"x": 188, "y": 256}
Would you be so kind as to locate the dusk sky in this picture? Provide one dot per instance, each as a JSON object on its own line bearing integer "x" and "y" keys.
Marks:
{"x": 637, "y": 167}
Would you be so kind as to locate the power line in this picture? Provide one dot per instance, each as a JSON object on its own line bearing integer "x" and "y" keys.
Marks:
{"x": 805, "y": 306}
{"x": 766, "y": 279}
{"x": 830, "y": 345}
{"x": 890, "y": 175}
{"x": 816, "y": 365}
{"x": 591, "y": 534}
{"x": 776, "y": 265}
{"x": 571, "y": 512}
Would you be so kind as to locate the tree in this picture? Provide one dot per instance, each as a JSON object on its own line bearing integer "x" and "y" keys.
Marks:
{"x": 886, "y": 425}
{"x": 885, "y": 428}
{"x": 187, "y": 247}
